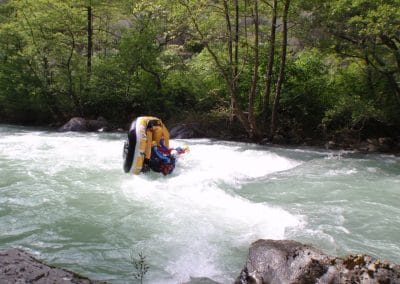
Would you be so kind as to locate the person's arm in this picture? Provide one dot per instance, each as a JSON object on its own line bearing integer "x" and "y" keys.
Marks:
{"x": 165, "y": 135}
{"x": 149, "y": 136}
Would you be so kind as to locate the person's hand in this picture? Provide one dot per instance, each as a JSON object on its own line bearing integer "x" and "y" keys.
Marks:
{"x": 146, "y": 166}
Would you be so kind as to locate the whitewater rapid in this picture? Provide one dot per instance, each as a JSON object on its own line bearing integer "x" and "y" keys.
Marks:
{"x": 65, "y": 198}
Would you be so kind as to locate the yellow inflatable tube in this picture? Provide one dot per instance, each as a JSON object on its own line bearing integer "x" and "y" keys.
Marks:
{"x": 143, "y": 132}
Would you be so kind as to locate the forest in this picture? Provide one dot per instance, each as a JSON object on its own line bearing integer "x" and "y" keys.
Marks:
{"x": 302, "y": 69}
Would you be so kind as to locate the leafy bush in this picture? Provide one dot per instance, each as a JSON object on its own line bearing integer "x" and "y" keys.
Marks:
{"x": 352, "y": 104}
{"x": 307, "y": 93}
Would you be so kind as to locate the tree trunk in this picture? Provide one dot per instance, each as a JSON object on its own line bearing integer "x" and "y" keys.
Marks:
{"x": 270, "y": 65}
{"x": 390, "y": 75}
{"x": 89, "y": 41}
{"x": 281, "y": 75}
{"x": 233, "y": 49}
{"x": 49, "y": 95}
{"x": 370, "y": 83}
{"x": 236, "y": 46}
{"x": 394, "y": 85}
{"x": 254, "y": 134}
{"x": 231, "y": 75}
{"x": 230, "y": 54}
{"x": 71, "y": 91}
{"x": 235, "y": 108}
{"x": 393, "y": 47}
{"x": 236, "y": 52}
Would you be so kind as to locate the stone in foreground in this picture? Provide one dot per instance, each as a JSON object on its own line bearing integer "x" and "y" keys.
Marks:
{"x": 286, "y": 261}
{"x": 17, "y": 266}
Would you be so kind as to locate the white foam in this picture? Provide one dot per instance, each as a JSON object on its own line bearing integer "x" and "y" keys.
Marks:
{"x": 55, "y": 153}
{"x": 195, "y": 208}
{"x": 200, "y": 212}
{"x": 230, "y": 164}
{"x": 193, "y": 191}
{"x": 341, "y": 172}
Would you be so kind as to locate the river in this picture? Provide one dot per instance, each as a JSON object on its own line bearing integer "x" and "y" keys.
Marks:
{"x": 65, "y": 198}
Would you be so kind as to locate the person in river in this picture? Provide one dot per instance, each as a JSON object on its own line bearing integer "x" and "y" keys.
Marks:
{"x": 147, "y": 147}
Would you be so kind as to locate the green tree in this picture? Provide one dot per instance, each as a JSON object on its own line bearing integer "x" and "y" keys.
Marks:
{"x": 364, "y": 34}
{"x": 50, "y": 31}
{"x": 282, "y": 67}
{"x": 364, "y": 29}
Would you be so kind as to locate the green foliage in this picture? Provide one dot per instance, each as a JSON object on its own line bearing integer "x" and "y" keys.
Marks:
{"x": 207, "y": 84}
{"x": 307, "y": 93}
{"x": 48, "y": 40}
{"x": 110, "y": 90}
{"x": 363, "y": 29}
{"x": 48, "y": 31}
{"x": 353, "y": 103}
{"x": 16, "y": 80}
{"x": 171, "y": 59}
{"x": 128, "y": 81}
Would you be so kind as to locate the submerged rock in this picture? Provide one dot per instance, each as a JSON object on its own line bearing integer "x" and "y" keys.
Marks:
{"x": 286, "y": 261}
{"x": 17, "y": 266}
{"x": 186, "y": 130}
{"x": 74, "y": 124}
{"x": 99, "y": 124}
{"x": 269, "y": 261}
{"x": 80, "y": 124}
{"x": 201, "y": 280}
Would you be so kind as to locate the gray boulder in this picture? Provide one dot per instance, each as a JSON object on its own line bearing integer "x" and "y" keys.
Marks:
{"x": 74, "y": 124}
{"x": 17, "y": 266}
{"x": 201, "y": 280}
{"x": 99, "y": 124}
{"x": 286, "y": 261}
{"x": 80, "y": 124}
{"x": 186, "y": 131}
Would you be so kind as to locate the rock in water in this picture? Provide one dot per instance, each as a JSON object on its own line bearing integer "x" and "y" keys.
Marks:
{"x": 286, "y": 261}
{"x": 185, "y": 131}
{"x": 74, "y": 124}
{"x": 17, "y": 266}
{"x": 99, "y": 124}
{"x": 80, "y": 124}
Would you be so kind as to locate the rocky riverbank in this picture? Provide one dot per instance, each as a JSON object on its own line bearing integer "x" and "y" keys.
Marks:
{"x": 222, "y": 129}
{"x": 369, "y": 145}
{"x": 286, "y": 261}
{"x": 269, "y": 261}
{"x": 18, "y": 266}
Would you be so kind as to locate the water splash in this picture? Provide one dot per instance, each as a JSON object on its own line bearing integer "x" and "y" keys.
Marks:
{"x": 65, "y": 197}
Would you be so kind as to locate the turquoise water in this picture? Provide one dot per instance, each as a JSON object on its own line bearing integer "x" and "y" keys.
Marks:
{"x": 64, "y": 197}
